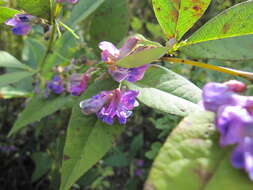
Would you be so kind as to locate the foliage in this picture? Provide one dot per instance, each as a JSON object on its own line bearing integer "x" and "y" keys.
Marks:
{"x": 70, "y": 143}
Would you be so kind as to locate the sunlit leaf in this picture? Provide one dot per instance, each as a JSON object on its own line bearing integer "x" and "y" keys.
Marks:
{"x": 7, "y": 60}
{"x": 234, "y": 49}
{"x": 7, "y": 13}
{"x": 13, "y": 77}
{"x": 192, "y": 159}
{"x": 176, "y": 17}
{"x": 166, "y": 91}
{"x": 233, "y": 22}
{"x": 7, "y": 92}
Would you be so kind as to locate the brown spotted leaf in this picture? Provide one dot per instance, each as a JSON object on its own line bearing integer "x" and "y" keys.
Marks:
{"x": 176, "y": 17}
{"x": 191, "y": 159}
{"x": 190, "y": 11}
{"x": 166, "y": 13}
{"x": 226, "y": 36}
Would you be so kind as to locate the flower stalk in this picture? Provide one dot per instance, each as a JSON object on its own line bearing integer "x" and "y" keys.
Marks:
{"x": 234, "y": 72}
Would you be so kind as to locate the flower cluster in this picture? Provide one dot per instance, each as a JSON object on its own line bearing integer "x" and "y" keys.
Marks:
{"x": 234, "y": 120}
{"x": 21, "y": 24}
{"x": 110, "y": 54}
{"x": 109, "y": 105}
{"x": 139, "y": 168}
{"x": 117, "y": 103}
{"x": 77, "y": 84}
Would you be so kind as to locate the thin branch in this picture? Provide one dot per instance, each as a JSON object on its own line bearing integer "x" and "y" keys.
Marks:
{"x": 234, "y": 72}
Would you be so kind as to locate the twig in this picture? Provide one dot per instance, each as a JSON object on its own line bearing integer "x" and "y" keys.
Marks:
{"x": 234, "y": 72}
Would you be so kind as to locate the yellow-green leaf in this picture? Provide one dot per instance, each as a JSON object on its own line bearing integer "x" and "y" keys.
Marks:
{"x": 235, "y": 21}
{"x": 176, "y": 17}
{"x": 192, "y": 159}
{"x": 142, "y": 57}
{"x": 7, "y": 13}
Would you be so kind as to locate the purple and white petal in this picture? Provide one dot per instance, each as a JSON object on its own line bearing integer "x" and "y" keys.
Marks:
{"x": 128, "y": 46}
{"x": 73, "y": 1}
{"x": 118, "y": 73}
{"x": 137, "y": 73}
{"x": 111, "y": 105}
{"x": 109, "y": 47}
{"x": 95, "y": 103}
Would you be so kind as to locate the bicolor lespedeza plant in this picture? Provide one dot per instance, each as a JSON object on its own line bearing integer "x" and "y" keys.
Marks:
{"x": 84, "y": 75}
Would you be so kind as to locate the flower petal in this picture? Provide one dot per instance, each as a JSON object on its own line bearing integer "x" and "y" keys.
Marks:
{"x": 137, "y": 73}
{"x": 109, "y": 47}
{"x": 21, "y": 29}
{"x": 118, "y": 73}
{"x": 128, "y": 46}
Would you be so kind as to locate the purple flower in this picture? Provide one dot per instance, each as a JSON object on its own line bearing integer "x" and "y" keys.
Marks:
{"x": 56, "y": 85}
{"x": 242, "y": 156}
{"x": 217, "y": 94}
{"x": 233, "y": 123}
{"x": 78, "y": 84}
{"x": 234, "y": 120}
{"x": 8, "y": 149}
{"x": 21, "y": 24}
{"x": 109, "y": 105}
{"x": 68, "y": 1}
{"x": 235, "y": 86}
{"x": 131, "y": 75}
{"x": 138, "y": 172}
{"x": 140, "y": 163}
{"x": 110, "y": 54}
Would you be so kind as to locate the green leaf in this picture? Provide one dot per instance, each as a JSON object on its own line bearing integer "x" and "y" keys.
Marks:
{"x": 142, "y": 57}
{"x": 82, "y": 10}
{"x": 7, "y": 13}
{"x": 136, "y": 145}
{"x": 176, "y": 17}
{"x": 155, "y": 147}
{"x": 192, "y": 159}
{"x": 2, "y": 2}
{"x": 36, "y": 109}
{"x": 117, "y": 159}
{"x": 235, "y": 21}
{"x": 64, "y": 51}
{"x": 13, "y": 77}
{"x": 166, "y": 91}
{"x": 34, "y": 52}
{"x": 233, "y": 49}
{"x": 189, "y": 13}
{"x": 7, "y": 60}
{"x": 87, "y": 140}
{"x": 228, "y": 32}
{"x": 113, "y": 17}
{"x": 42, "y": 164}
{"x": 7, "y": 92}
{"x": 167, "y": 14}
{"x": 40, "y": 8}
